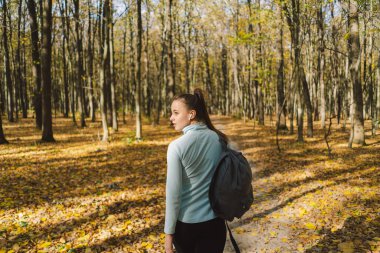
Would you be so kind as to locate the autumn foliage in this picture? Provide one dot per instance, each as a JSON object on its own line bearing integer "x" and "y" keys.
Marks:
{"x": 82, "y": 195}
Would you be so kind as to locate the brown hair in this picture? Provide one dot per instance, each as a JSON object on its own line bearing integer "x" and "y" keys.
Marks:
{"x": 197, "y": 102}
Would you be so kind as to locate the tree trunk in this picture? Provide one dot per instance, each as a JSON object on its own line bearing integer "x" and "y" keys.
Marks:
{"x": 321, "y": 52}
{"x": 24, "y": 73}
{"x": 112, "y": 75}
{"x": 79, "y": 62}
{"x": 357, "y": 133}
{"x": 300, "y": 111}
{"x": 8, "y": 71}
{"x": 170, "y": 51}
{"x": 103, "y": 52}
{"x": 47, "y": 126}
{"x": 208, "y": 72}
{"x": 378, "y": 92}
{"x": 187, "y": 45}
{"x": 148, "y": 86}
{"x": 293, "y": 20}
{"x": 224, "y": 79}
{"x": 132, "y": 63}
{"x": 63, "y": 10}
{"x": 371, "y": 101}
{"x": 123, "y": 102}
{"x": 138, "y": 87}
{"x": 281, "y": 112}
{"x": 2, "y": 136}
{"x": 20, "y": 77}
{"x": 259, "y": 84}
{"x": 36, "y": 68}
{"x": 307, "y": 101}
{"x": 90, "y": 66}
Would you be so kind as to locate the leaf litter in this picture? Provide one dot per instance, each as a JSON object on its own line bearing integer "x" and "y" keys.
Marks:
{"x": 81, "y": 195}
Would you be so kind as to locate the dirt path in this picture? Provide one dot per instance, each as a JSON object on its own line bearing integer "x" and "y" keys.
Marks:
{"x": 306, "y": 201}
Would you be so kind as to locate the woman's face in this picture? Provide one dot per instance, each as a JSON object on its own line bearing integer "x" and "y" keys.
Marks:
{"x": 181, "y": 115}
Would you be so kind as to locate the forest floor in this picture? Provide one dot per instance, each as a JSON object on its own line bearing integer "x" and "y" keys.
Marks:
{"x": 82, "y": 195}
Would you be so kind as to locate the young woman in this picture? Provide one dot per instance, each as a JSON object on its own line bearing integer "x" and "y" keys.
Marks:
{"x": 190, "y": 223}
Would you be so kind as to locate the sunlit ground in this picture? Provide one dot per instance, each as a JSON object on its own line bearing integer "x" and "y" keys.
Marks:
{"x": 82, "y": 195}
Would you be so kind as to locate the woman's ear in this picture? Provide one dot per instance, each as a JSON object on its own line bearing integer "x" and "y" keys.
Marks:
{"x": 192, "y": 115}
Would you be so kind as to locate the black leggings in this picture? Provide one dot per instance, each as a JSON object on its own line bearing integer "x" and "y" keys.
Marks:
{"x": 203, "y": 237}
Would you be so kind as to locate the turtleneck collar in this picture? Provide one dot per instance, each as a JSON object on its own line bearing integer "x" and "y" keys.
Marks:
{"x": 196, "y": 126}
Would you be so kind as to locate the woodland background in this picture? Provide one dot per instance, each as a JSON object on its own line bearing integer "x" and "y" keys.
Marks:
{"x": 85, "y": 93}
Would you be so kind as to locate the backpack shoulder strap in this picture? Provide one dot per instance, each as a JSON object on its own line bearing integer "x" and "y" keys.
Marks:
{"x": 236, "y": 247}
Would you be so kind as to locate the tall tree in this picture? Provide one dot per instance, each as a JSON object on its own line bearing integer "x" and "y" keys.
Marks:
{"x": 66, "y": 107}
{"x": 20, "y": 78}
{"x": 138, "y": 72}
{"x": 36, "y": 66}
{"x": 321, "y": 61}
{"x": 47, "y": 124}
{"x": 378, "y": 91}
{"x": 293, "y": 14}
{"x": 2, "y": 136}
{"x": 170, "y": 51}
{"x": 281, "y": 121}
{"x": 357, "y": 121}
{"x": 8, "y": 70}
{"x": 79, "y": 62}
{"x": 103, "y": 45}
{"x": 90, "y": 63}
{"x": 111, "y": 69}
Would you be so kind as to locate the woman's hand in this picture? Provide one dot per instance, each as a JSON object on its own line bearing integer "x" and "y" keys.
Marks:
{"x": 169, "y": 243}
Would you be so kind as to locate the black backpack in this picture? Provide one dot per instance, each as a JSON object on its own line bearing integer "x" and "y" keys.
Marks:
{"x": 230, "y": 192}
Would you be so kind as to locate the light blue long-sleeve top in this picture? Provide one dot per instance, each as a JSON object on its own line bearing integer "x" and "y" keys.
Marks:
{"x": 191, "y": 164}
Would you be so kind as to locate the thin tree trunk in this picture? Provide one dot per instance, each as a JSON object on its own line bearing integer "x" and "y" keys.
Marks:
{"x": 123, "y": 104}
{"x": 2, "y": 136}
{"x": 371, "y": 101}
{"x": 47, "y": 124}
{"x": 164, "y": 57}
{"x": 321, "y": 64}
{"x": 187, "y": 46}
{"x": 36, "y": 67}
{"x": 90, "y": 66}
{"x": 24, "y": 73}
{"x": 357, "y": 135}
{"x": 112, "y": 75}
{"x": 19, "y": 78}
{"x": 79, "y": 62}
{"x": 259, "y": 85}
{"x": 280, "y": 78}
{"x": 208, "y": 72}
{"x": 307, "y": 101}
{"x": 378, "y": 92}
{"x": 103, "y": 52}
{"x": 224, "y": 64}
{"x": 7, "y": 65}
{"x": 138, "y": 87}
{"x": 300, "y": 111}
{"x": 66, "y": 104}
{"x": 148, "y": 86}
{"x": 170, "y": 50}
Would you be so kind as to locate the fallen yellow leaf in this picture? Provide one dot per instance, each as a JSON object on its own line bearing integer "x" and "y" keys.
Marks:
{"x": 42, "y": 245}
{"x": 346, "y": 247}
{"x": 310, "y": 225}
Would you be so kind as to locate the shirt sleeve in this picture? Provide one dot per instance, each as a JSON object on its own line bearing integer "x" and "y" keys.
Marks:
{"x": 173, "y": 189}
